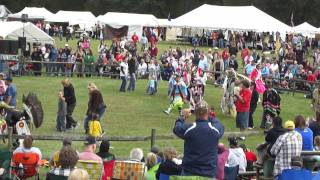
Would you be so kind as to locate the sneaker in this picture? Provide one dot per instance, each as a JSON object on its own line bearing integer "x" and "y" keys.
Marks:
{"x": 167, "y": 112}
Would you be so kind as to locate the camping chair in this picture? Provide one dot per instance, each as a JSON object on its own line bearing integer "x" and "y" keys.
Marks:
{"x": 108, "y": 169}
{"x": 127, "y": 170}
{"x": 24, "y": 165}
{"x": 94, "y": 168}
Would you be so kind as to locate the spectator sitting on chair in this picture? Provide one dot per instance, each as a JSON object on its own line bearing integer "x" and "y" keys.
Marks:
{"x": 68, "y": 158}
{"x": 155, "y": 149}
{"x": 54, "y": 161}
{"x": 200, "y": 141}
{"x": 250, "y": 157}
{"x": 236, "y": 156}
{"x": 104, "y": 151}
{"x": 27, "y": 147}
{"x": 136, "y": 155}
{"x": 152, "y": 166}
{"x": 169, "y": 166}
{"x": 287, "y": 146}
{"x": 89, "y": 151}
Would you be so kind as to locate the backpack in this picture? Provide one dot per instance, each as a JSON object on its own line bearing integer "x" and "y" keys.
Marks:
{"x": 95, "y": 129}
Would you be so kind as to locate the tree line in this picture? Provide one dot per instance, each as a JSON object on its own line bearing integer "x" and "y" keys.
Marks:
{"x": 302, "y": 10}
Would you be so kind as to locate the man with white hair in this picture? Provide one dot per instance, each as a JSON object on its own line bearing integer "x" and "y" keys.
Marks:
{"x": 201, "y": 140}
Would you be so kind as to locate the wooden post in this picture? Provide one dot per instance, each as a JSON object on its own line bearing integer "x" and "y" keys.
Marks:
{"x": 10, "y": 132}
{"x": 294, "y": 88}
{"x": 153, "y": 137}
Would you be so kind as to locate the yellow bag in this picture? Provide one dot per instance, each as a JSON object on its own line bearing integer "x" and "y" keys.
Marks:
{"x": 95, "y": 129}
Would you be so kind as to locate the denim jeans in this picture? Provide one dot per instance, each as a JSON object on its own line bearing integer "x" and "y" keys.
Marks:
{"x": 89, "y": 117}
{"x": 221, "y": 43}
{"x": 123, "y": 83}
{"x": 214, "y": 43}
{"x": 132, "y": 82}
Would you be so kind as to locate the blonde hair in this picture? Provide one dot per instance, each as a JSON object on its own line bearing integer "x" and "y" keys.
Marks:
{"x": 65, "y": 82}
{"x": 170, "y": 153}
{"x": 151, "y": 160}
{"x": 92, "y": 86}
{"x": 78, "y": 174}
{"x": 317, "y": 141}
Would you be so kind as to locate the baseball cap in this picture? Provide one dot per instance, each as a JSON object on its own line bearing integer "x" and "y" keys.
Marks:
{"x": 66, "y": 45}
{"x": 9, "y": 78}
{"x": 90, "y": 140}
{"x": 289, "y": 125}
{"x": 201, "y": 108}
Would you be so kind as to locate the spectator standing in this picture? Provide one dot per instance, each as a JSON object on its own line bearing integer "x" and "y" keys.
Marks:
{"x": 314, "y": 125}
{"x": 89, "y": 61}
{"x": 37, "y": 56}
{"x": 144, "y": 42}
{"x": 96, "y": 106}
{"x": 305, "y": 132}
{"x": 253, "y": 104}
{"x": 243, "y": 105}
{"x": 132, "y": 73}
{"x": 287, "y": 146}
{"x": 200, "y": 156}
{"x": 10, "y": 96}
{"x": 70, "y": 98}
{"x": 123, "y": 75}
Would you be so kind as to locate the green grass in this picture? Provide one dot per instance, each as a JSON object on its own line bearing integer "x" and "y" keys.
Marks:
{"x": 133, "y": 113}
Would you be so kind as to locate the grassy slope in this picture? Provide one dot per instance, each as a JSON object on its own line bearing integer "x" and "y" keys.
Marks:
{"x": 135, "y": 113}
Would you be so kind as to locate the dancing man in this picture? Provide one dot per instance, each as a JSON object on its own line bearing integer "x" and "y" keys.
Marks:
{"x": 177, "y": 94}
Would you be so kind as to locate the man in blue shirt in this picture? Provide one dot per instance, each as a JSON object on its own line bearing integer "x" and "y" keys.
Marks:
{"x": 201, "y": 141}
{"x": 11, "y": 92}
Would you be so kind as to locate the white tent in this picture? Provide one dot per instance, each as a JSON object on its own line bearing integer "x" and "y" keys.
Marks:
{"x": 14, "y": 29}
{"x": 230, "y": 17}
{"x": 305, "y": 28}
{"x": 85, "y": 19}
{"x": 166, "y": 22}
{"x": 4, "y": 12}
{"x": 135, "y": 22}
{"x": 33, "y": 13}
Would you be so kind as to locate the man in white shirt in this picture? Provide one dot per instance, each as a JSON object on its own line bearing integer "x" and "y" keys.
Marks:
{"x": 123, "y": 75}
{"x": 274, "y": 67}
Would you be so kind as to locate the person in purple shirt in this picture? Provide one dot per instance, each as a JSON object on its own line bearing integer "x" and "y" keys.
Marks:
{"x": 306, "y": 133}
{"x": 89, "y": 151}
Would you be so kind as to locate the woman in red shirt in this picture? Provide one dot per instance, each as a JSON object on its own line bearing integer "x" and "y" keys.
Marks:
{"x": 243, "y": 105}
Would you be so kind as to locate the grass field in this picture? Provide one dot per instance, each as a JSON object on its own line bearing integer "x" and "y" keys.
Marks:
{"x": 133, "y": 113}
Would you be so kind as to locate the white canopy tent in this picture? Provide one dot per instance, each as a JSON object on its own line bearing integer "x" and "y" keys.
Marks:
{"x": 232, "y": 18}
{"x": 4, "y": 12}
{"x": 33, "y": 13}
{"x": 135, "y": 22}
{"x": 306, "y": 28}
{"x": 13, "y": 30}
{"x": 85, "y": 19}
